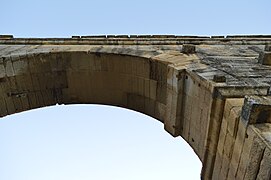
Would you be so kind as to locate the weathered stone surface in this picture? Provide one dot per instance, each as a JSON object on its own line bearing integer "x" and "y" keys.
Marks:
{"x": 267, "y": 48}
{"x": 257, "y": 109}
{"x": 265, "y": 58}
{"x": 219, "y": 78}
{"x": 212, "y": 91}
{"x": 265, "y": 166}
{"x": 188, "y": 49}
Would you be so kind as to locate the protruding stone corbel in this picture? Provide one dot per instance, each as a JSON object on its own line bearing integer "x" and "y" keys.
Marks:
{"x": 189, "y": 49}
{"x": 256, "y": 109}
{"x": 265, "y": 56}
{"x": 219, "y": 78}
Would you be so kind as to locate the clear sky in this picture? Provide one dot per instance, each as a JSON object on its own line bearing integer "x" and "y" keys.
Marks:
{"x": 90, "y": 142}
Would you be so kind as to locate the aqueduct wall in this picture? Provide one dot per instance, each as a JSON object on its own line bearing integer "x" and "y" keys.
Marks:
{"x": 212, "y": 91}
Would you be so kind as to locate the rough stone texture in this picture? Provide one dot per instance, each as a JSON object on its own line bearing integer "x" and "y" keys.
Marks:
{"x": 265, "y": 58}
{"x": 212, "y": 91}
{"x": 188, "y": 49}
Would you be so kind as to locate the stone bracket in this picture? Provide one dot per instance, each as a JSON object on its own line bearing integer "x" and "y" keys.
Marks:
{"x": 256, "y": 109}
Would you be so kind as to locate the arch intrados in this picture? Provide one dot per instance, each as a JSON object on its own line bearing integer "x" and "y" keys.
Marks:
{"x": 44, "y": 79}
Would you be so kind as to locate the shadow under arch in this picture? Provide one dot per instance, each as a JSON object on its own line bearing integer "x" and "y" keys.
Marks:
{"x": 84, "y": 77}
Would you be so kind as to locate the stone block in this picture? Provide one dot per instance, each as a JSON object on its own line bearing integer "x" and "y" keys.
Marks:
{"x": 243, "y": 162}
{"x": 3, "y": 108}
{"x": 219, "y": 78}
{"x": 2, "y": 71}
{"x": 217, "y": 166}
{"x": 171, "y": 96}
{"x": 267, "y": 48}
{"x": 265, "y": 58}
{"x": 233, "y": 120}
{"x": 238, "y": 147}
{"x": 255, "y": 158}
{"x": 9, "y": 68}
{"x": 149, "y": 107}
{"x": 188, "y": 49}
{"x": 224, "y": 168}
{"x": 257, "y": 109}
{"x": 153, "y": 89}
{"x": 33, "y": 102}
{"x": 187, "y": 110}
{"x": 265, "y": 166}
{"x": 159, "y": 111}
{"x": 146, "y": 88}
{"x": 173, "y": 101}
{"x": 228, "y": 146}
{"x": 230, "y": 104}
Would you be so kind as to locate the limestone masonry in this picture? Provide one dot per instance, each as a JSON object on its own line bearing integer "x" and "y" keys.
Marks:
{"x": 212, "y": 91}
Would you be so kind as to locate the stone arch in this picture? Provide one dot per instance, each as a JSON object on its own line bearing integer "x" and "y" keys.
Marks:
{"x": 148, "y": 81}
{"x": 207, "y": 91}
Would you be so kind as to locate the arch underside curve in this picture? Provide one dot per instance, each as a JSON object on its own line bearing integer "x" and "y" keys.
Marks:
{"x": 45, "y": 79}
{"x": 144, "y": 81}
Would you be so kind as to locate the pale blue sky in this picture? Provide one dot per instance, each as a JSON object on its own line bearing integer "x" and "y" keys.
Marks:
{"x": 25, "y": 18}
{"x": 105, "y": 143}
{"x": 91, "y": 143}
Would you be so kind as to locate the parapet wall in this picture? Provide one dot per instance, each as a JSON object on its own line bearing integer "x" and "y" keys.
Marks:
{"x": 141, "y": 40}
